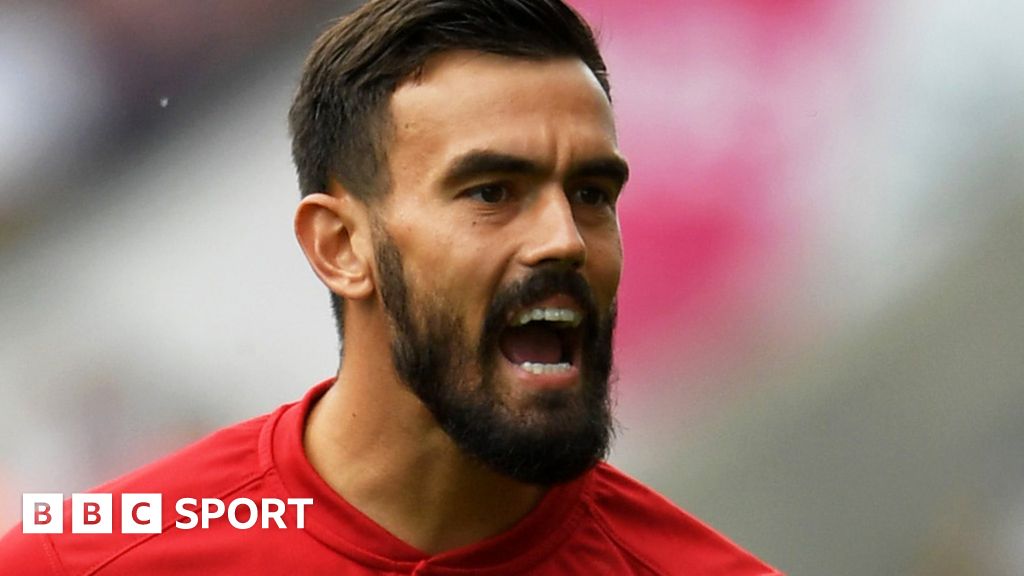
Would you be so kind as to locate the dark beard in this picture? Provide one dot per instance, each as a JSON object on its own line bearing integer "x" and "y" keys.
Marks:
{"x": 558, "y": 434}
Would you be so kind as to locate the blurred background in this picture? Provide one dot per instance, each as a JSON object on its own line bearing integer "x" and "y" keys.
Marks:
{"x": 821, "y": 344}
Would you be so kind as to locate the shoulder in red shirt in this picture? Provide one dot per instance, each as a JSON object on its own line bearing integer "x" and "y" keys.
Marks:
{"x": 601, "y": 523}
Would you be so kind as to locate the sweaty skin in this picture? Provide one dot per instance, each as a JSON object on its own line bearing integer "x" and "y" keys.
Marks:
{"x": 462, "y": 235}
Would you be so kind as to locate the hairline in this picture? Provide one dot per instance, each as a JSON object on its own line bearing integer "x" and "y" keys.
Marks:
{"x": 381, "y": 119}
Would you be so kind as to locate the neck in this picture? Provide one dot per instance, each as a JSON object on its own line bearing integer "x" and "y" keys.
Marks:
{"x": 376, "y": 445}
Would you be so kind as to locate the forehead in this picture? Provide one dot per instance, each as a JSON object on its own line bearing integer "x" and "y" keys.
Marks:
{"x": 552, "y": 108}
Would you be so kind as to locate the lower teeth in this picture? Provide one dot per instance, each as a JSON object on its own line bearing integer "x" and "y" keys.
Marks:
{"x": 539, "y": 368}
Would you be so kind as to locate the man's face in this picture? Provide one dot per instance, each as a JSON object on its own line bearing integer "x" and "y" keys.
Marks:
{"x": 498, "y": 257}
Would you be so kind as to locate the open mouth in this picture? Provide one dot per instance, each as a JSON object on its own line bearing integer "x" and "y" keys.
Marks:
{"x": 543, "y": 339}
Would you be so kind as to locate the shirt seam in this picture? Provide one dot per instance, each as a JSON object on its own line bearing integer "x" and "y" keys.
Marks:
{"x": 52, "y": 556}
{"x": 614, "y": 537}
{"x": 95, "y": 569}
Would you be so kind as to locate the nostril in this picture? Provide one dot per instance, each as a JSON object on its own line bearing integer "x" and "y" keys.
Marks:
{"x": 574, "y": 260}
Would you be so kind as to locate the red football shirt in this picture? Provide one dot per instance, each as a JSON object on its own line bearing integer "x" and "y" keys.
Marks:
{"x": 601, "y": 523}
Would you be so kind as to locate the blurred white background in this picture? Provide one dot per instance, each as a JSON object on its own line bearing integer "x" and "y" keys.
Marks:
{"x": 821, "y": 342}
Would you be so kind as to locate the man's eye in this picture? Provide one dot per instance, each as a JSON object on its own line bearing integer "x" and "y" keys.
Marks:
{"x": 592, "y": 196}
{"x": 489, "y": 193}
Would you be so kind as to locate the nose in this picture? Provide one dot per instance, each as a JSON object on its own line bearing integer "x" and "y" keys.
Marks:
{"x": 554, "y": 235}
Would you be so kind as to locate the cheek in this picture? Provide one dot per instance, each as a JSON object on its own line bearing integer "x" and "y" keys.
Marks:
{"x": 604, "y": 263}
{"x": 461, "y": 276}
{"x": 425, "y": 249}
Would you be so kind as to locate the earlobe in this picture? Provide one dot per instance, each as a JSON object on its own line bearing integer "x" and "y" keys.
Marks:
{"x": 330, "y": 229}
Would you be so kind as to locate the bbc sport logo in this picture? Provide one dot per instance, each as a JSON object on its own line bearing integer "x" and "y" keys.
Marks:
{"x": 142, "y": 513}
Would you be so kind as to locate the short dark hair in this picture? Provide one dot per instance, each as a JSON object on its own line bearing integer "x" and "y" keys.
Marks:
{"x": 339, "y": 118}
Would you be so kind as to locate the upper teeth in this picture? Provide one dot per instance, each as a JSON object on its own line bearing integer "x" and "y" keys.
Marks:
{"x": 564, "y": 315}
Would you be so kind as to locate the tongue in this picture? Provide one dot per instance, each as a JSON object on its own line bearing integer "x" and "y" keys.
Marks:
{"x": 531, "y": 343}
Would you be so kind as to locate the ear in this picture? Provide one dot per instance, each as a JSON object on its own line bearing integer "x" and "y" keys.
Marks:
{"x": 333, "y": 231}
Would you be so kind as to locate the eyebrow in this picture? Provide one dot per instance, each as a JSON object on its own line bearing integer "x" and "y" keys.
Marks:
{"x": 613, "y": 168}
{"x": 483, "y": 162}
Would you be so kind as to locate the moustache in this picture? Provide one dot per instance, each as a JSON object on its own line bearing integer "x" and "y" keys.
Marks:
{"x": 541, "y": 284}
